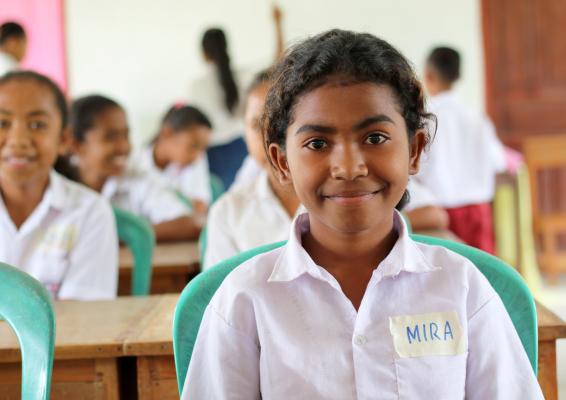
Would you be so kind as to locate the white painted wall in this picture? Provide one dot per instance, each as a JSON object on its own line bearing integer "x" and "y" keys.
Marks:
{"x": 144, "y": 53}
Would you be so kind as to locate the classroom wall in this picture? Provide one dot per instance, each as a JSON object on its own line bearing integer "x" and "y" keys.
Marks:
{"x": 145, "y": 53}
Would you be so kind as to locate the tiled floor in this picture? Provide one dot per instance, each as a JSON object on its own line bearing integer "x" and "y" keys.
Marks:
{"x": 554, "y": 297}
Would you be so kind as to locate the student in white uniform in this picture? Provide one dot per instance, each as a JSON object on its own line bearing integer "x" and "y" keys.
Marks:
{"x": 260, "y": 211}
{"x": 466, "y": 155}
{"x": 60, "y": 232}
{"x": 101, "y": 146}
{"x": 178, "y": 155}
{"x": 351, "y": 307}
{"x": 13, "y": 44}
{"x": 423, "y": 210}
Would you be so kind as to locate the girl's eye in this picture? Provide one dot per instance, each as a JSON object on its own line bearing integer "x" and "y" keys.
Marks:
{"x": 36, "y": 125}
{"x": 317, "y": 144}
{"x": 375, "y": 139}
{"x": 4, "y": 124}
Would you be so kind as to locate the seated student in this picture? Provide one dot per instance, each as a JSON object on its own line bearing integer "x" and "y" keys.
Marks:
{"x": 101, "y": 145}
{"x": 178, "y": 155}
{"x": 351, "y": 307}
{"x": 61, "y": 233}
{"x": 422, "y": 210}
{"x": 465, "y": 158}
{"x": 13, "y": 42}
{"x": 261, "y": 211}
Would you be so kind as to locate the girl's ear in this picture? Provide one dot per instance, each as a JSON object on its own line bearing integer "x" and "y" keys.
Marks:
{"x": 76, "y": 146}
{"x": 417, "y": 146}
{"x": 279, "y": 160}
{"x": 65, "y": 141}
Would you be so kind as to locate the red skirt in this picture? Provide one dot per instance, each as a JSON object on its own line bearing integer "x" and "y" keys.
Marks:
{"x": 474, "y": 225}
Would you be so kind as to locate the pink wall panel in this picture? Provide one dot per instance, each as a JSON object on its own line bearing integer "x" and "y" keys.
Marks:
{"x": 43, "y": 21}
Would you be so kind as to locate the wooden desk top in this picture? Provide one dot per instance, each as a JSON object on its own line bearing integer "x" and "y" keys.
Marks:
{"x": 550, "y": 326}
{"x": 440, "y": 234}
{"x": 94, "y": 329}
{"x": 138, "y": 326}
{"x": 176, "y": 254}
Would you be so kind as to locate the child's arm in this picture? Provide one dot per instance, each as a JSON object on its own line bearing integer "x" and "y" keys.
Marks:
{"x": 498, "y": 367}
{"x": 430, "y": 217}
{"x": 224, "y": 364}
{"x": 183, "y": 228}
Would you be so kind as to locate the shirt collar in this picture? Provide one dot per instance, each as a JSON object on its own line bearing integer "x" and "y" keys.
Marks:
{"x": 56, "y": 192}
{"x": 294, "y": 261}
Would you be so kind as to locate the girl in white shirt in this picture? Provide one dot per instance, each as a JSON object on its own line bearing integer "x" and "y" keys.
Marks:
{"x": 61, "y": 233}
{"x": 101, "y": 145}
{"x": 261, "y": 211}
{"x": 351, "y": 307}
{"x": 178, "y": 155}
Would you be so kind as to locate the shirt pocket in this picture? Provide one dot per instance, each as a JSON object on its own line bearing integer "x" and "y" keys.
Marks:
{"x": 431, "y": 377}
{"x": 50, "y": 268}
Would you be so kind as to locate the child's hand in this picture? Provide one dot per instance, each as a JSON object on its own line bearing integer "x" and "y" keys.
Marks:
{"x": 199, "y": 206}
{"x": 277, "y": 14}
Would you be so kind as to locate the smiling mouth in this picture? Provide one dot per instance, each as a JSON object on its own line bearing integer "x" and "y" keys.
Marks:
{"x": 18, "y": 162}
{"x": 356, "y": 198}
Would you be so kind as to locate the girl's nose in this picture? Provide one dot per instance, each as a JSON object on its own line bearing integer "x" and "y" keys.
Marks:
{"x": 18, "y": 136}
{"x": 348, "y": 164}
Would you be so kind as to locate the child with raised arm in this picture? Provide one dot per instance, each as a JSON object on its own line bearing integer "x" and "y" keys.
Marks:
{"x": 351, "y": 307}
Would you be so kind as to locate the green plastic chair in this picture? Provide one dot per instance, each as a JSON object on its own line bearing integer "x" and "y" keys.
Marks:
{"x": 27, "y": 306}
{"x": 505, "y": 280}
{"x": 216, "y": 188}
{"x": 202, "y": 245}
{"x": 139, "y": 236}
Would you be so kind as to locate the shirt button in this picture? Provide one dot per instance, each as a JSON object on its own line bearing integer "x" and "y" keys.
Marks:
{"x": 359, "y": 340}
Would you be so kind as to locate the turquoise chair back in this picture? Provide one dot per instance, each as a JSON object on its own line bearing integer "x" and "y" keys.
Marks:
{"x": 202, "y": 245}
{"x": 139, "y": 236}
{"x": 27, "y": 306}
{"x": 505, "y": 280}
{"x": 217, "y": 187}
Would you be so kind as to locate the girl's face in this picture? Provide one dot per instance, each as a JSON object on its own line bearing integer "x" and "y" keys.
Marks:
{"x": 254, "y": 141}
{"x": 106, "y": 146}
{"x": 30, "y": 131}
{"x": 348, "y": 155}
{"x": 186, "y": 146}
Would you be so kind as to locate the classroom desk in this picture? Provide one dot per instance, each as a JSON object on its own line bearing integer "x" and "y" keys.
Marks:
{"x": 174, "y": 264}
{"x": 550, "y": 328}
{"x": 90, "y": 337}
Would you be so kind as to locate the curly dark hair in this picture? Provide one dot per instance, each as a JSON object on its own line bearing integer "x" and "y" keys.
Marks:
{"x": 355, "y": 57}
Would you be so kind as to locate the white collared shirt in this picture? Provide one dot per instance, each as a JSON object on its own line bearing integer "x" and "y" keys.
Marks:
{"x": 140, "y": 192}
{"x": 249, "y": 170}
{"x": 281, "y": 325}
{"x": 68, "y": 243}
{"x": 8, "y": 63}
{"x": 244, "y": 219}
{"x": 192, "y": 181}
{"x": 464, "y": 157}
{"x": 419, "y": 196}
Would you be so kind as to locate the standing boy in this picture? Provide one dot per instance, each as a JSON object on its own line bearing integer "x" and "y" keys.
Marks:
{"x": 465, "y": 156}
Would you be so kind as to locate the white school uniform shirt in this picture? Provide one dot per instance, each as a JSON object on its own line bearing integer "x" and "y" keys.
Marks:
{"x": 464, "y": 157}
{"x": 281, "y": 326}
{"x": 8, "y": 63}
{"x": 69, "y": 242}
{"x": 141, "y": 193}
{"x": 207, "y": 94}
{"x": 244, "y": 219}
{"x": 419, "y": 196}
{"x": 192, "y": 181}
{"x": 249, "y": 170}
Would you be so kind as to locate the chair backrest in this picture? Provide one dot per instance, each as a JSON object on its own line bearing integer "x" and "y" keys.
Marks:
{"x": 202, "y": 245}
{"x": 139, "y": 236}
{"x": 27, "y": 306}
{"x": 505, "y": 280}
{"x": 216, "y": 186}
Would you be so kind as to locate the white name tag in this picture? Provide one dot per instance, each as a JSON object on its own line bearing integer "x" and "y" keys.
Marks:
{"x": 58, "y": 237}
{"x": 436, "y": 334}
